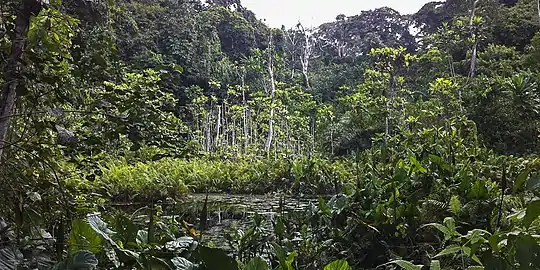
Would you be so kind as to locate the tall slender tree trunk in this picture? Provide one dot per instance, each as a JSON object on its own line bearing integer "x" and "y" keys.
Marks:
{"x": 306, "y": 55}
{"x": 208, "y": 136}
{"x": 270, "y": 136}
{"x": 538, "y": 9}
{"x": 288, "y": 134}
{"x": 332, "y": 135}
{"x": 244, "y": 115}
{"x": 233, "y": 134}
{"x": 226, "y": 125}
{"x": 292, "y": 47}
{"x": 474, "y": 55}
{"x": 14, "y": 67}
{"x": 218, "y": 127}
{"x": 312, "y": 131}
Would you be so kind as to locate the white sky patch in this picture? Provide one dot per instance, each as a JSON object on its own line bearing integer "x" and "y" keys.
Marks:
{"x": 315, "y": 12}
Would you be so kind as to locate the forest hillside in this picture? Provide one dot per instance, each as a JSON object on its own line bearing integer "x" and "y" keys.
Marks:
{"x": 187, "y": 134}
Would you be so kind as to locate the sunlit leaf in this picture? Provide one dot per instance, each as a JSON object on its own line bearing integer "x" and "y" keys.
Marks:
{"x": 406, "y": 265}
{"x": 435, "y": 265}
{"x": 338, "y": 265}
{"x": 453, "y": 249}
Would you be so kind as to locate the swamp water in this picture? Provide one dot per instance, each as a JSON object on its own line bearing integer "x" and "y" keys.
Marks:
{"x": 227, "y": 214}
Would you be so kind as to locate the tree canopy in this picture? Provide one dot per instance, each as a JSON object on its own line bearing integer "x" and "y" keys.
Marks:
{"x": 107, "y": 101}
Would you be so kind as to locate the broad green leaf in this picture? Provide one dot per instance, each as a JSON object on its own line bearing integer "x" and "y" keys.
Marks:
{"x": 494, "y": 241}
{"x": 126, "y": 255}
{"x": 417, "y": 165}
{"x": 533, "y": 211}
{"x": 83, "y": 259}
{"x": 323, "y": 206}
{"x": 214, "y": 258}
{"x": 521, "y": 179}
{"x": 449, "y": 250}
{"x": 100, "y": 227}
{"x": 479, "y": 190}
{"x": 442, "y": 164}
{"x": 475, "y": 268}
{"x": 182, "y": 264}
{"x": 533, "y": 183}
{"x": 142, "y": 237}
{"x": 80, "y": 260}
{"x": 519, "y": 215}
{"x": 338, "y": 265}
{"x": 525, "y": 246}
{"x": 285, "y": 261}
{"x": 337, "y": 204}
{"x": 180, "y": 244}
{"x": 400, "y": 174}
{"x": 476, "y": 259}
{"x": 435, "y": 265}
{"x": 450, "y": 224}
{"x": 177, "y": 68}
{"x": 83, "y": 237}
{"x": 406, "y": 265}
{"x": 257, "y": 263}
{"x": 447, "y": 232}
{"x": 279, "y": 228}
{"x": 153, "y": 262}
{"x": 125, "y": 230}
{"x": 290, "y": 259}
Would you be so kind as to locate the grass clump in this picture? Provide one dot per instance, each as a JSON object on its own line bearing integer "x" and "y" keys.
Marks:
{"x": 171, "y": 177}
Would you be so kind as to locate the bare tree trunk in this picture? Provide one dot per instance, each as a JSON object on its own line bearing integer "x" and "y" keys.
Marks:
{"x": 472, "y": 72}
{"x": 538, "y": 8}
{"x": 312, "y": 142}
{"x": 332, "y": 135}
{"x": 14, "y": 67}
{"x": 244, "y": 108}
{"x": 226, "y": 125}
{"x": 288, "y": 135}
{"x": 306, "y": 55}
{"x": 254, "y": 132}
{"x": 451, "y": 67}
{"x": 386, "y": 124}
{"x": 270, "y": 136}
{"x": 473, "y": 60}
{"x": 208, "y": 136}
{"x": 218, "y": 126}
{"x": 233, "y": 143}
{"x": 292, "y": 41}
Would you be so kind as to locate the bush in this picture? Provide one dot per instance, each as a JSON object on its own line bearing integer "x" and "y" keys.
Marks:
{"x": 171, "y": 177}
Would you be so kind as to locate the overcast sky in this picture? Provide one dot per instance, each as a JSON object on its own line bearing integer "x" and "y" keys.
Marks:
{"x": 316, "y": 12}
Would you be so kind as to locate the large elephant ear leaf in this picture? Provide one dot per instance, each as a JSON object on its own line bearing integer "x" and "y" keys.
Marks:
{"x": 100, "y": 227}
{"x": 532, "y": 213}
{"x": 213, "y": 258}
{"x": 81, "y": 260}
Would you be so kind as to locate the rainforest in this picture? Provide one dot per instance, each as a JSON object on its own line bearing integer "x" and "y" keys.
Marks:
{"x": 188, "y": 134}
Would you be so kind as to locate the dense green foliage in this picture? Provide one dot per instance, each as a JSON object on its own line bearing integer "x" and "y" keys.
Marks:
{"x": 419, "y": 132}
